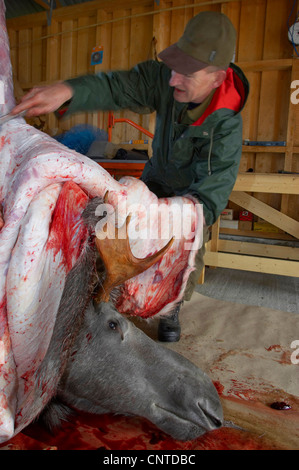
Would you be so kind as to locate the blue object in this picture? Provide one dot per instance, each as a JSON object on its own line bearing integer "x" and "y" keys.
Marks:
{"x": 265, "y": 143}
{"x": 80, "y": 137}
{"x": 96, "y": 58}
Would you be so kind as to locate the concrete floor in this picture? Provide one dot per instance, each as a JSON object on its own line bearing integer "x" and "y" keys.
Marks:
{"x": 251, "y": 288}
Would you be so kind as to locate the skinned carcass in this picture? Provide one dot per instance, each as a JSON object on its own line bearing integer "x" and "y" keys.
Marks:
{"x": 44, "y": 189}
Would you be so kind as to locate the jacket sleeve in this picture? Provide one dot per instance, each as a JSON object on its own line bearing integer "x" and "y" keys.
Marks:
{"x": 224, "y": 153}
{"x": 134, "y": 89}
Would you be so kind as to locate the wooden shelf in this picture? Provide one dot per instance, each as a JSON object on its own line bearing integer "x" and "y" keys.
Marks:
{"x": 119, "y": 168}
{"x": 264, "y": 148}
{"x": 257, "y": 234}
{"x": 275, "y": 183}
{"x": 265, "y": 65}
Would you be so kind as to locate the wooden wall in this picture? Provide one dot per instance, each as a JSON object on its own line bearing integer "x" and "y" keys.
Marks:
{"x": 135, "y": 30}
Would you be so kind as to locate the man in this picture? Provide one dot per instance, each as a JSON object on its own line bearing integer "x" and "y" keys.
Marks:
{"x": 198, "y": 95}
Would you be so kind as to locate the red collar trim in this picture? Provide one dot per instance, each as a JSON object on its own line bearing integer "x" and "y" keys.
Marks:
{"x": 230, "y": 95}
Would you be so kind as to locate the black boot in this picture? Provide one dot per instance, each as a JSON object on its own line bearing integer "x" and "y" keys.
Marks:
{"x": 169, "y": 329}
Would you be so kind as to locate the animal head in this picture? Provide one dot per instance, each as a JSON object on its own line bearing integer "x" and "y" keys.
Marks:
{"x": 114, "y": 367}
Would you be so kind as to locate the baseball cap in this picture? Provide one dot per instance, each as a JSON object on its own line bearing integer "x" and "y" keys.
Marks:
{"x": 209, "y": 39}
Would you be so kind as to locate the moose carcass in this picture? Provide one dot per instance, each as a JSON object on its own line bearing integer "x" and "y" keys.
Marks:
{"x": 112, "y": 366}
{"x": 44, "y": 188}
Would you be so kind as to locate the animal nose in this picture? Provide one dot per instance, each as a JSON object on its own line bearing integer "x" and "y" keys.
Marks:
{"x": 217, "y": 423}
{"x": 213, "y": 417}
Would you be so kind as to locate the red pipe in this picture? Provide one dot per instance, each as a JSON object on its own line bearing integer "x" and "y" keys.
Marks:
{"x": 112, "y": 121}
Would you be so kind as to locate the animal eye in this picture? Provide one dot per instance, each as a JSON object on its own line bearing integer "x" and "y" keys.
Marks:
{"x": 112, "y": 325}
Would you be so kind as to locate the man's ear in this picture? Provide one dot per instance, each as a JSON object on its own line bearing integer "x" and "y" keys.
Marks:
{"x": 220, "y": 76}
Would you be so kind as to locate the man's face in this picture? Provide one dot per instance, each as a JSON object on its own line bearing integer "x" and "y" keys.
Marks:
{"x": 197, "y": 86}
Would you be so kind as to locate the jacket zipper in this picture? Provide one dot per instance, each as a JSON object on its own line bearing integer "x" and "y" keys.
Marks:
{"x": 210, "y": 152}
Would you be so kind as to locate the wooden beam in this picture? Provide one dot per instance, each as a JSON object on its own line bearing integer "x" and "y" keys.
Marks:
{"x": 259, "y": 249}
{"x": 257, "y": 234}
{"x": 264, "y": 148}
{"x": 43, "y": 3}
{"x": 72, "y": 11}
{"x": 268, "y": 213}
{"x": 252, "y": 263}
{"x": 46, "y": 3}
{"x": 289, "y": 155}
{"x": 267, "y": 183}
{"x": 265, "y": 65}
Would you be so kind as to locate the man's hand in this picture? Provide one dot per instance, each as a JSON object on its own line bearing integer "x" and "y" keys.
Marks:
{"x": 44, "y": 100}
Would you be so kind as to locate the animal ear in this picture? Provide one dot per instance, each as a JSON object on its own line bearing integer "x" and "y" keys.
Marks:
{"x": 119, "y": 261}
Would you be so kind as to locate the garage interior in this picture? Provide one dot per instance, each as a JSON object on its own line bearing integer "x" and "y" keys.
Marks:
{"x": 252, "y": 256}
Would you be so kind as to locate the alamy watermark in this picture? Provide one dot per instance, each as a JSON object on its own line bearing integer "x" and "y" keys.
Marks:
{"x": 295, "y": 354}
{"x": 161, "y": 221}
{"x": 295, "y": 93}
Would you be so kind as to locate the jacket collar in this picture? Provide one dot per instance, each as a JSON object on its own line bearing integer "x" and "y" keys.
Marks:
{"x": 231, "y": 94}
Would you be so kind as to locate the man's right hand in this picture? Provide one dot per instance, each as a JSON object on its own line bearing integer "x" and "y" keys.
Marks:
{"x": 44, "y": 100}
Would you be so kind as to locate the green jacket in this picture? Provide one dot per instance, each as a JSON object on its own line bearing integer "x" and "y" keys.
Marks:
{"x": 201, "y": 159}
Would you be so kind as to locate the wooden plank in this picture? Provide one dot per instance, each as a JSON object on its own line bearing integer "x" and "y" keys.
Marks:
{"x": 252, "y": 263}
{"x": 24, "y": 56}
{"x": 36, "y": 52}
{"x": 259, "y": 249}
{"x": 291, "y": 127}
{"x": 251, "y": 26}
{"x": 213, "y": 243}
{"x": 179, "y": 21}
{"x": 264, "y": 149}
{"x": 68, "y": 47}
{"x": 274, "y": 95}
{"x": 161, "y": 26}
{"x": 73, "y": 11}
{"x": 82, "y": 60}
{"x": 267, "y": 183}
{"x": 103, "y": 38}
{"x": 52, "y": 70}
{"x": 265, "y": 65}
{"x": 43, "y": 3}
{"x": 120, "y": 58}
{"x": 233, "y": 11}
{"x": 257, "y": 234}
{"x": 266, "y": 212}
{"x": 276, "y": 45}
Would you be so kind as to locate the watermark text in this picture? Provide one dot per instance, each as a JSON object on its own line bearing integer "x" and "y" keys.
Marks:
{"x": 295, "y": 354}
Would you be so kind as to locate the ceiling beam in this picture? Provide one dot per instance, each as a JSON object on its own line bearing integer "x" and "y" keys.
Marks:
{"x": 47, "y": 3}
{"x": 43, "y": 3}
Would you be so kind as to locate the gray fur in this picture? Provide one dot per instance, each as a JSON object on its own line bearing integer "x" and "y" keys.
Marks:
{"x": 99, "y": 362}
{"x": 114, "y": 367}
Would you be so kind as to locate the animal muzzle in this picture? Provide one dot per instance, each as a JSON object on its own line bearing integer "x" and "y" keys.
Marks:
{"x": 190, "y": 406}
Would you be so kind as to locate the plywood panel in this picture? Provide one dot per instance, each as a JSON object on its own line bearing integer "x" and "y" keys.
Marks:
{"x": 52, "y": 69}
{"x": 121, "y": 31}
{"x": 24, "y": 55}
{"x": 37, "y": 55}
{"x": 162, "y": 26}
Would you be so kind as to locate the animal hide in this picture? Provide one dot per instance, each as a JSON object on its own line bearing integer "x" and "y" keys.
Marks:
{"x": 44, "y": 187}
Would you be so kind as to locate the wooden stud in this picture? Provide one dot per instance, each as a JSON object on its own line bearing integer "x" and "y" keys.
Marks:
{"x": 266, "y": 212}
{"x": 252, "y": 263}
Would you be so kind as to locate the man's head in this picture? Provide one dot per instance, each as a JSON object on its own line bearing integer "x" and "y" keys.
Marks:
{"x": 201, "y": 55}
